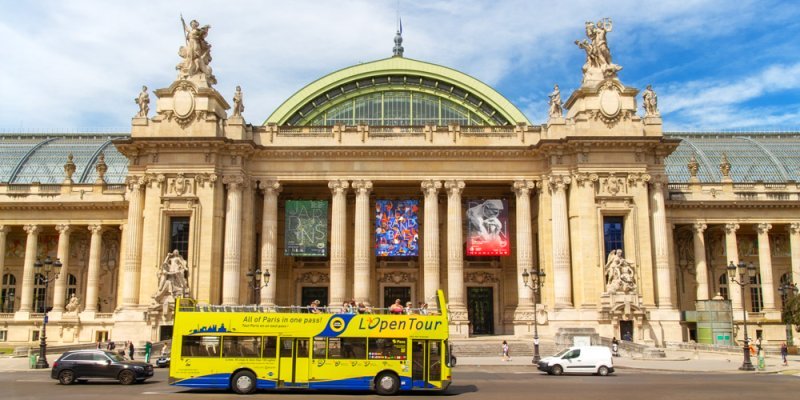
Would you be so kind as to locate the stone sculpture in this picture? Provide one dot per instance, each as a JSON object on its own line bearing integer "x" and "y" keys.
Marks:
{"x": 143, "y": 100}
{"x": 556, "y": 106}
{"x": 196, "y": 53}
{"x": 650, "y": 102}
{"x": 172, "y": 282}
{"x": 598, "y": 64}
{"x": 73, "y": 304}
{"x": 620, "y": 274}
{"x": 238, "y": 105}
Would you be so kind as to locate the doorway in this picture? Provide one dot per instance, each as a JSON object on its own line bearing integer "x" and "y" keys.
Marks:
{"x": 392, "y": 293}
{"x": 426, "y": 360}
{"x": 626, "y": 330}
{"x": 293, "y": 362}
{"x": 311, "y": 293}
{"x": 480, "y": 308}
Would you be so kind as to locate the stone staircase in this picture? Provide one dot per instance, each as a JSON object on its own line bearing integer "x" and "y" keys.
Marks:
{"x": 491, "y": 346}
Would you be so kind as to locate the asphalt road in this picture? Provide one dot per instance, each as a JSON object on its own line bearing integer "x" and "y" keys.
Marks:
{"x": 506, "y": 383}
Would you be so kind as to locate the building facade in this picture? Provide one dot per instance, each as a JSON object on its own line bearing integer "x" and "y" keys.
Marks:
{"x": 390, "y": 180}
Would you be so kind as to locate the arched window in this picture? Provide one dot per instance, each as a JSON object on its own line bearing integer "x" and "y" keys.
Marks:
{"x": 756, "y": 299}
{"x": 72, "y": 287}
{"x": 39, "y": 294}
{"x": 723, "y": 285}
{"x": 7, "y": 293}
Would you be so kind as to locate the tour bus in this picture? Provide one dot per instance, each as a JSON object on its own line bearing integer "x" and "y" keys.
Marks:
{"x": 245, "y": 348}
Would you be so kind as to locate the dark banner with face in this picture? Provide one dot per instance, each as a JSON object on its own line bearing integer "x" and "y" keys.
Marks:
{"x": 488, "y": 228}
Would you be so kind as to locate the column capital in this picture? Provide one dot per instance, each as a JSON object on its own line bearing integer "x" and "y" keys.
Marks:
{"x": 454, "y": 186}
{"x": 234, "y": 182}
{"x": 558, "y": 182}
{"x": 763, "y": 228}
{"x": 362, "y": 187}
{"x": 64, "y": 229}
{"x": 136, "y": 182}
{"x": 430, "y": 186}
{"x": 523, "y": 187}
{"x": 32, "y": 229}
{"x": 96, "y": 229}
{"x": 270, "y": 185}
{"x": 699, "y": 228}
{"x": 731, "y": 228}
{"x": 585, "y": 180}
{"x": 338, "y": 186}
{"x": 4, "y": 229}
{"x": 794, "y": 228}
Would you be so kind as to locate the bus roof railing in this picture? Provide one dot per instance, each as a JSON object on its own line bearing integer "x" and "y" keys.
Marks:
{"x": 186, "y": 306}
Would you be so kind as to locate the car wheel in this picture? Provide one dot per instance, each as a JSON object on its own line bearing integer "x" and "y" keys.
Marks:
{"x": 387, "y": 383}
{"x": 557, "y": 370}
{"x": 127, "y": 377}
{"x": 66, "y": 377}
{"x": 243, "y": 382}
{"x": 602, "y": 371}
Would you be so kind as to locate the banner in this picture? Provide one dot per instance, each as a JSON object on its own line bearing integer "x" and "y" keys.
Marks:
{"x": 306, "y": 228}
{"x": 396, "y": 228}
{"x": 488, "y": 228}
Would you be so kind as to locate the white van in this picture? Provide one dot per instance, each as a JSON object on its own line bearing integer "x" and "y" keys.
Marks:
{"x": 580, "y": 360}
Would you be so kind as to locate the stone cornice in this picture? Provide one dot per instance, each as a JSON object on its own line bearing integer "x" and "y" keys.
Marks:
{"x": 394, "y": 153}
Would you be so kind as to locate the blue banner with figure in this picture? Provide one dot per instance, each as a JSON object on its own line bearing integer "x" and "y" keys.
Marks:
{"x": 396, "y": 228}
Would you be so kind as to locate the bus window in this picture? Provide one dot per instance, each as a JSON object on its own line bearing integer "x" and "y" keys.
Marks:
{"x": 200, "y": 346}
{"x": 241, "y": 346}
{"x": 270, "y": 347}
{"x": 347, "y": 348}
{"x": 302, "y": 348}
{"x": 286, "y": 347}
{"x": 319, "y": 348}
{"x": 387, "y": 349}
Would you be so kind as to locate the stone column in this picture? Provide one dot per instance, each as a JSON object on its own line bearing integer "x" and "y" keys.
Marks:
{"x": 661, "y": 245}
{"x": 794, "y": 243}
{"x": 455, "y": 250}
{"x": 765, "y": 266}
{"x": 60, "y": 290}
{"x": 562, "y": 275}
{"x": 4, "y": 229}
{"x": 93, "y": 274}
{"x": 231, "y": 262}
{"x": 522, "y": 189}
{"x": 732, "y": 253}
{"x": 269, "y": 240}
{"x": 700, "y": 260}
{"x": 338, "y": 277}
{"x": 28, "y": 274}
{"x": 430, "y": 189}
{"x": 131, "y": 268}
{"x": 362, "y": 279}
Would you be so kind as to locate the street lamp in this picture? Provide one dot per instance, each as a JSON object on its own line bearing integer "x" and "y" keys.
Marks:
{"x": 746, "y": 273}
{"x": 787, "y": 290}
{"x": 534, "y": 281}
{"x": 254, "y": 278}
{"x": 49, "y": 273}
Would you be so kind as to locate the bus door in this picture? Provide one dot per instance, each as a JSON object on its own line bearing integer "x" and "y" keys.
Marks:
{"x": 293, "y": 362}
{"x": 426, "y": 360}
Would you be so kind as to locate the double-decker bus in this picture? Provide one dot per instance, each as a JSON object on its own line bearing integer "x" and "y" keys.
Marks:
{"x": 245, "y": 348}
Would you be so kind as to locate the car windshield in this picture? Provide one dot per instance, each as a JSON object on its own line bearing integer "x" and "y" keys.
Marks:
{"x": 115, "y": 357}
{"x": 562, "y": 352}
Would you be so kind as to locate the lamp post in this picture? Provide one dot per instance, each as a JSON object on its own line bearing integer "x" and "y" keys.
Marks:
{"x": 787, "y": 290}
{"x": 49, "y": 269}
{"x": 254, "y": 278}
{"x": 746, "y": 273}
{"x": 534, "y": 281}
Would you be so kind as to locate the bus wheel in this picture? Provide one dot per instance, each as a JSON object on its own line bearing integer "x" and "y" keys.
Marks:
{"x": 243, "y": 382}
{"x": 387, "y": 383}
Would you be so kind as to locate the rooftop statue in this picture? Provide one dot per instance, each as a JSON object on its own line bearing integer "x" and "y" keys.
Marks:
{"x": 650, "y": 102}
{"x": 238, "y": 105}
{"x": 143, "y": 100}
{"x": 556, "y": 106}
{"x": 196, "y": 53}
{"x": 598, "y": 64}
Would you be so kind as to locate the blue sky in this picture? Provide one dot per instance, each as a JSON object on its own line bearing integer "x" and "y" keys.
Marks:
{"x": 716, "y": 65}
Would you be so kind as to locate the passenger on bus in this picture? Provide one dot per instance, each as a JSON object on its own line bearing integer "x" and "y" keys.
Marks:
{"x": 408, "y": 309}
{"x": 396, "y": 308}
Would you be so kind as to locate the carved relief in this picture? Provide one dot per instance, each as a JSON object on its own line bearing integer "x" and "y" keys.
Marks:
{"x": 206, "y": 179}
{"x": 613, "y": 185}
{"x": 779, "y": 245}
{"x": 397, "y": 277}
{"x": 313, "y": 277}
{"x": 180, "y": 185}
{"x": 481, "y": 277}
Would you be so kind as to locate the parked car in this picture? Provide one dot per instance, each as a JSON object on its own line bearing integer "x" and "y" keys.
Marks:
{"x": 163, "y": 361}
{"x": 80, "y": 365}
{"x": 580, "y": 360}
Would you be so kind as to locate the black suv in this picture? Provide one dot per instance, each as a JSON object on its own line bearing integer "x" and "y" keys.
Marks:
{"x": 82, "y": 364}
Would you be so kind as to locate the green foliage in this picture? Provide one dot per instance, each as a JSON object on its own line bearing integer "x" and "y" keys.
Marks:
{"x": 791, "y": 311}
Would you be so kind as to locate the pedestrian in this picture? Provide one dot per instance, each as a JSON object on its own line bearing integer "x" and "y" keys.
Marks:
{"x": 130, "y": 350}
{"x": 615, "y": 346}
{"x": 784, "y": 353}
{"x": 506, "y": 357}
{"x": 98, "y": 345}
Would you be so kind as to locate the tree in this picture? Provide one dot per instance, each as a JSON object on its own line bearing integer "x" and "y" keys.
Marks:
{"x": 791, "y": 311}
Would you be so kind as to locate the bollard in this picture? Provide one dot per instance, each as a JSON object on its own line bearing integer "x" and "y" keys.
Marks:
{"x": 762, "y": 364}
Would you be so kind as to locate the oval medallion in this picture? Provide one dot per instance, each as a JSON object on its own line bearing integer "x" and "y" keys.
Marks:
{"x": 609, "y": 102}
{"x": 183, "y": 103}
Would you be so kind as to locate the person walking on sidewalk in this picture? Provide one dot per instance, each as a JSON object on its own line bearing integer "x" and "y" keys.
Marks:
{"x": 130, "y": 350}
{"x": 506, "y": 357}
{"x": 784, "y": 354}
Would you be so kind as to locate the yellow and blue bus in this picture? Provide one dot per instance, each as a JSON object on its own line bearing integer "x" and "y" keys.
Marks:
{"x": 245, "y": 348}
